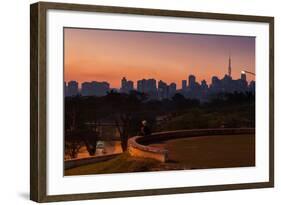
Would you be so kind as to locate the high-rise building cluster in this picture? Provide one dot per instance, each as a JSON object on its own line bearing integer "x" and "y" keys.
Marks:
{"x": 203, "y": 91}
{"x": 126, "y": 86}
{"x": 93, "y": 88}
{"x": 71, "y": 89}
{"x": 161, "y": 90}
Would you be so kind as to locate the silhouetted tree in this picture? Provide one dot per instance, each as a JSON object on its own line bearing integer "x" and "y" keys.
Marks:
{"x": 123, "y": 108}
{"x": 78, "y": 112}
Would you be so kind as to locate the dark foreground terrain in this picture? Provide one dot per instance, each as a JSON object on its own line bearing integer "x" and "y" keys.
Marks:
{"x": 203, "y": 152}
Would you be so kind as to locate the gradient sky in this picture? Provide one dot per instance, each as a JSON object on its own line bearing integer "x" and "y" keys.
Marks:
{"x": 109, "y": 55}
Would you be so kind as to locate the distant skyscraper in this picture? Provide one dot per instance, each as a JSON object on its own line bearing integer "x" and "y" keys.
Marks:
{"x": 123, "y": 84}
{"x": 229, "y": 66}
{"x": 147, "y": 86}
{"x": 94, "y": 88}
{"x": 183, "y": 85}
{"x": 72, "y": 88}
{"x": 140, "y": 85}
{"x": 87, "y": 89}
{"x": 191, "y": 81}
{"x": 243, "y": 76}
{"x": 163, "y": 90}
{"x": 100, "y": 88}
{"x": 126, "y": 86}
{"x": 130, "y": 85}
{"x": 204, "y": 85}
{"x": 151, "y": 85}
{"x": 252, "y": 86}
{"x": 215, "y": 80}
{"x": 172, "y": 89}
{"x": 216, "y": 84}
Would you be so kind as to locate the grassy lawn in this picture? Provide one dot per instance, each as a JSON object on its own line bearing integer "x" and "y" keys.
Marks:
{"x": 213, "y": 151}
{"x": 189, "y": 153}
{"x": 122, "y": 163}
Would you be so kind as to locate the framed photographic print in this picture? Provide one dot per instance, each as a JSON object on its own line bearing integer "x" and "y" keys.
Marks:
{"x": 134, "y": 102}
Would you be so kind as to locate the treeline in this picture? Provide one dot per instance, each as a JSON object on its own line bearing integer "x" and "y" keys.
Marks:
{"x": 84, "y": 114}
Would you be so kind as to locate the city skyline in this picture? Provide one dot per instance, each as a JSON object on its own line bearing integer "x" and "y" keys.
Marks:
{"x": 109, "y": 55}
{"x": 159, "y": 90}
{"x": 134, "y": 85}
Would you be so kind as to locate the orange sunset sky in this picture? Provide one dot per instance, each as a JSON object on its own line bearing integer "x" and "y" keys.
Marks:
{"x": 109, "y": 55}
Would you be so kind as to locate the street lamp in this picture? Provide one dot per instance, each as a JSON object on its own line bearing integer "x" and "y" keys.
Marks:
{"x": 245, "y": 71}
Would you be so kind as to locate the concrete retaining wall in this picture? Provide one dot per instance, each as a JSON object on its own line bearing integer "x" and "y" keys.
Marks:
{"x": 138, "y": 146}
{"x": 138, "y": 150}
{"x": 72, "y": 163}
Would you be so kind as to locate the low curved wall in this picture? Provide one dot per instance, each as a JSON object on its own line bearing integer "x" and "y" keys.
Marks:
{"x": 138, "y": 150}
{"x": 138, "y": 146}
{"x": 72, "y": 163}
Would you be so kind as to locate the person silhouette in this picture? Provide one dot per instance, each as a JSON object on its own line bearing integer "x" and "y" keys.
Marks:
{"x": 145, "y": 131}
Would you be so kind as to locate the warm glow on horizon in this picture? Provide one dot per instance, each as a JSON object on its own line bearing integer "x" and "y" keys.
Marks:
{"x": 110, "y": 55}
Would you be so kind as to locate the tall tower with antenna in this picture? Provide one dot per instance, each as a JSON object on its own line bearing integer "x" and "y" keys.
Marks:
{"x": 229, "y": 66}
